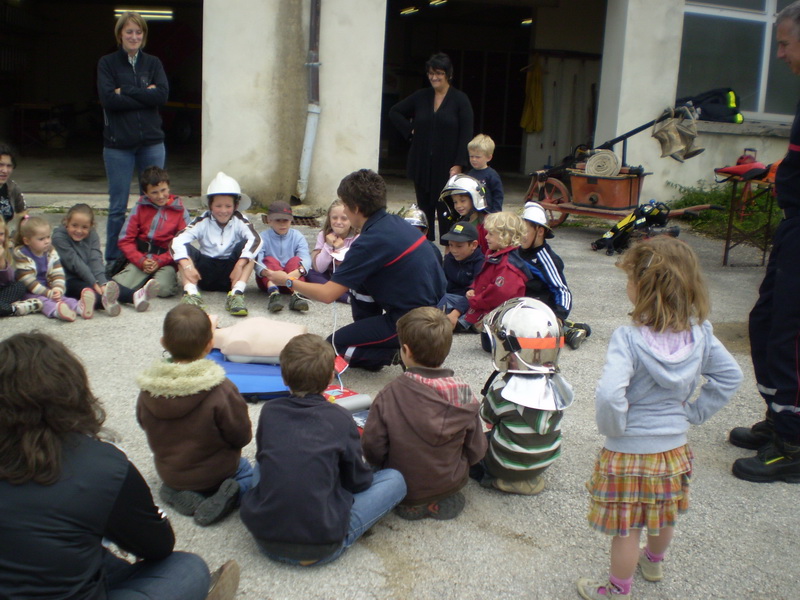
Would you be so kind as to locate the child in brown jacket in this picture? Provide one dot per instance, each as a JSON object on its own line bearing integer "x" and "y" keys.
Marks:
{"x": 425, "y": 423}
{"x": 196, "y": 422}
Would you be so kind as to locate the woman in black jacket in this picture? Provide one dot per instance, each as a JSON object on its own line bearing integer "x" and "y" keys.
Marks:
{"x": 65, "y": 493}
{"x": 438, "y": 121}
{"x": 131, "y": 85}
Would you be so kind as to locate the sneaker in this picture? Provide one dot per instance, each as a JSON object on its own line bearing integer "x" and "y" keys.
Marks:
{"x": 86, "y": 303}
{"x": 752, "y": 438}
{"x": 224, "y": 582}
{"x": 109, "y": 299}
{"x": 777, "y": 461}
{"x": 590, "y": 590}
{"x": 524, "y": 487}
{"x": 194, "y": 299}
{"x": 574, "y": 337}
{"x": 142, "y": 297}
{"x": 651, "y": 571}
{"x": 275, "y": 304}
{"x": 221, "y": 504}
{"x": 234, "y": 304}
{"x": 65, "y": 313}
{"x": 298, "y": 303}
{"x": 443, "y": 510}
{"x": 184, "y": 501}
{"x": 27, "y": 307}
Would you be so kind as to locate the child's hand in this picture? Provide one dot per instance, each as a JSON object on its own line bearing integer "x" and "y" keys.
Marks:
{"x": 188, "y": 272}
{"x": 470, "y": 293}
{"x": 99, "y": 288}
{"x": 55, "y": 294}
{"x": 149, "y": 266}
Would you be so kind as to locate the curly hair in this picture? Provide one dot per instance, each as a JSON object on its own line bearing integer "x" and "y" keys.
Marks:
{"x": 507, "y": 226}
{"x": 44, "y": 395}
{"x": 669, "y": 287}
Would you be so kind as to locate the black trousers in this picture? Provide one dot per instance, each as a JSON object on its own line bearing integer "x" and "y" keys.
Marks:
{"x": 775, "y": 332}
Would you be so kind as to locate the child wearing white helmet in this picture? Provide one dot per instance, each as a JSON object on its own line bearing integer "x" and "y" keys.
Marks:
{"x": 547, "y": 282}
{"x": 228, "y": 246}
{"x": 416, "y": 217}
{"x": 524, "y": 398}
{"x": 464, "y": 199}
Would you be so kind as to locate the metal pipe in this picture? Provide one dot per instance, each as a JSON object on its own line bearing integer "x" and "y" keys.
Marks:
{"x": 312, "y": 117}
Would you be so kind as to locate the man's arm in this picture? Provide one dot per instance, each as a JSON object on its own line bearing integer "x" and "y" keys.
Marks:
{"x": 321, "y": 292}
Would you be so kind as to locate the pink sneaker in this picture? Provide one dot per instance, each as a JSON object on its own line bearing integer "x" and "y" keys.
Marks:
{"x": 86, "y": 303}
{"x": 142, "y": 297}
{"x": 109, "y": 299}
{"x": 64, "y": 312}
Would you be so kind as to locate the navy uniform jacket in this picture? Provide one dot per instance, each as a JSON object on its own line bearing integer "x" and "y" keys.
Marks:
{"x": 787, "y": 178}
{"x": 461, "y": 274}
{"x": 392, "y": 262}
{"x": 547, "y": 282}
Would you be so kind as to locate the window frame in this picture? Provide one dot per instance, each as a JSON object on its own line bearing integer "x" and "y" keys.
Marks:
{"x": 767, "y": 18}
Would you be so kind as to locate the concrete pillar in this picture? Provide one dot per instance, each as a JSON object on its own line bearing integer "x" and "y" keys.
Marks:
{"x": 641, "y": 57}
{"x": 254, "y": 93}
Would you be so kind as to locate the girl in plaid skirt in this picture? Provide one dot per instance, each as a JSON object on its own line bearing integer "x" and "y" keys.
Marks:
{"x": 643, "y": 407}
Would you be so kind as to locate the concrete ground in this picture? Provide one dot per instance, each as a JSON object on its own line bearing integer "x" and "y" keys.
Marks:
{"x": 736, "y": 541}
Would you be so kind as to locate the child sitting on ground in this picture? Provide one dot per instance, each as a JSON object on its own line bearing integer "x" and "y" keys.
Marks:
{"x": 282, "y": 249}
{"x": 38, "y": 267}
{"x": 524, "y": 398}
{"x": 228, "y": 246}
{"x": 546, "y": 269}
{"x": 196, "y": 421}
{"x": 78, "y": 246}
{"x": 11, "y": 290}
{"x": 503, "y": 275}
{"x": 465, "y": 200}
{"x": 416, "y": 217}
{"x": 12, "y": 202}
{"x": 145, "y": 240}
{"x": 481, "y": 150}
{"x": 313, "y": 493}
{"x": 425, "y": 423}
{"x": 333, "y": 241}
{"x": 462, "y": 263}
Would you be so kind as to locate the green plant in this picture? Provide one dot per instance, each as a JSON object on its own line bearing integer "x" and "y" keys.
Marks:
{"x": 753, "y": 215}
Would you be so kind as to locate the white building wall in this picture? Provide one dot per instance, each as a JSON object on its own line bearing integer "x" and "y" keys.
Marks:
{"x": 255, "y": 93}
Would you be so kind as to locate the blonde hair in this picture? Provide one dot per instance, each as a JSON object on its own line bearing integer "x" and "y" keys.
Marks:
{"x": 27, "y": 226}
{"x": 670, "y": 288}
{"x": 507, "y": 226}
{"x": 137, "y": 19}
{"x": 5, "y": 250}
{"x": 427, "y": 333}
{"x": 483, "y": 143}
{"x": 326, "y": 226}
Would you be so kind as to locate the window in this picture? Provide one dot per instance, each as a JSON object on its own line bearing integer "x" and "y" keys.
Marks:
{"x": 731, "y": 43}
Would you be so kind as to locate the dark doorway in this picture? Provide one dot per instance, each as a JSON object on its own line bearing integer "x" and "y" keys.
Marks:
{"x": 488, "y": 45}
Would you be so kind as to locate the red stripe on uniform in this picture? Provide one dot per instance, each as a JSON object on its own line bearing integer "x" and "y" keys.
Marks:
{"x": 408, "y": 250}
{"x": 794, "y": 147}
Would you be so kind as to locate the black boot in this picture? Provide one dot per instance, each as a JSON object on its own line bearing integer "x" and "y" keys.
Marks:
{"x": 753, "y": 437}
{"x": 777, "y": 461}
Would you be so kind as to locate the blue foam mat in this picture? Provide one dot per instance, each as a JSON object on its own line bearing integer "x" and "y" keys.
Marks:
{"x": 253, "y": 379}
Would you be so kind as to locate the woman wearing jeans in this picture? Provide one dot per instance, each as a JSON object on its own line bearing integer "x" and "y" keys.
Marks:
{"x": 131, "y": 85}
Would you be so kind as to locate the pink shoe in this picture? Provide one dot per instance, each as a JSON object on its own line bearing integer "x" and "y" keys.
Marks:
{"x": 109, "y": 299}
{"x": 86, "y": 303}
{"x": 64, "y": 312}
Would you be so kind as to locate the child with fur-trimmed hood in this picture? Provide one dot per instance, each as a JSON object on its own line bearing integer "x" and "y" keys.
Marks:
{"x": 196, "y": 422}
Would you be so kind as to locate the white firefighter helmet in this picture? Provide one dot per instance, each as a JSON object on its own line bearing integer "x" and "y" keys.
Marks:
{"x": 416, "y": 217}
{"x": 525, "y": 337}
{"x": 227, "y": 185}
{"x": 464, "y": 184}
{"x": 535, "y": 213}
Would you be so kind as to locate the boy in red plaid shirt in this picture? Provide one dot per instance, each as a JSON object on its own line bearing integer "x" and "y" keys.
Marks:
{"x": 425, "y": 423}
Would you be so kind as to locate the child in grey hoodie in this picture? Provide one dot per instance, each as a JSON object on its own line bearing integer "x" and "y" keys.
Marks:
{"x": 641, "y": 477}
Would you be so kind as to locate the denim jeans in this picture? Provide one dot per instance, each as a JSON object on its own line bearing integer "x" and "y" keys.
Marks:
{"x": 244, "y": 476}
{"x": 120, "y": 166}
{"x": 180, "y": 576}
{"x": 387, "y": 490}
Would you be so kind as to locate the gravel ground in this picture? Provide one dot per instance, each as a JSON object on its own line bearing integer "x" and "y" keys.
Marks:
{"x": 501, "y": 546}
